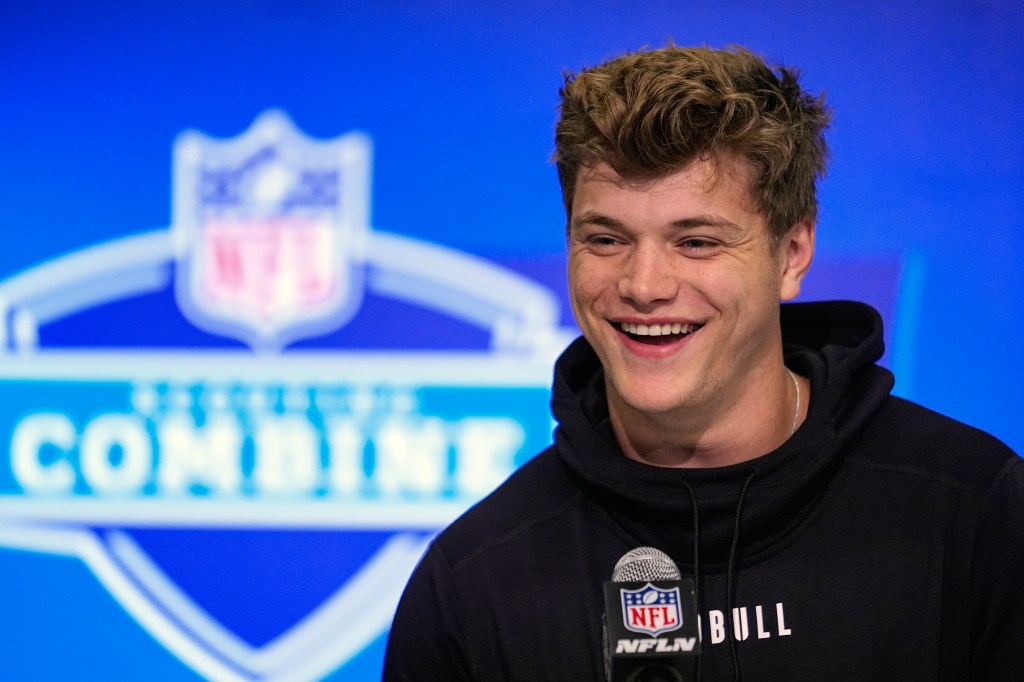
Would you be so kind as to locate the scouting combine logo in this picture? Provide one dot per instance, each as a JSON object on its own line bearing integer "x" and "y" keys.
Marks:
{"x": 651, "y": 610}
{"x": 258, "y": 513}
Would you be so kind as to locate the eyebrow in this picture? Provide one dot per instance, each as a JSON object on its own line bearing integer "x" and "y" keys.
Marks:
{"x": 594, "y": 218}
{"x": 705, "y": 220}
{"x": 702, "y": 220}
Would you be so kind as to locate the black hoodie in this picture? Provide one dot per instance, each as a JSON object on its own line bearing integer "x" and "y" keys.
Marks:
{"x": 882, "y": 541}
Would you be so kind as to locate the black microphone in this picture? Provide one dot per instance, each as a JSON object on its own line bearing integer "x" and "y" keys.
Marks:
{"x": 650, "y": 621}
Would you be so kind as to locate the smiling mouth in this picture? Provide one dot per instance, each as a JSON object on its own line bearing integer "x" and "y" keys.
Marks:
{"x": 658, "y": 334}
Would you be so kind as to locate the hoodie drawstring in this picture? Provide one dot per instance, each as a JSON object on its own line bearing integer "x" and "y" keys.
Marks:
{"x": 730, "y": 583}
{"x": 696, "y": 561}
{"x": 730, "y": 571}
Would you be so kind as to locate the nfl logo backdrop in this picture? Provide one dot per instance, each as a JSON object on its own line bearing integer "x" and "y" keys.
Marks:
{"x": 273, "y": 230}
{"x": 651, "y": 610}
{"x": 256, "y": 495}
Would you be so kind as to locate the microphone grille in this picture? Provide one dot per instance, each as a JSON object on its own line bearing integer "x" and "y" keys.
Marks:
{"x": 644, "y": 563}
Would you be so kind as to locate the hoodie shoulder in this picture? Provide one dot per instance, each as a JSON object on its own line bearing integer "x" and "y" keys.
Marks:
{"x": 536, "y": 493}
{"x": 911, "y": 437}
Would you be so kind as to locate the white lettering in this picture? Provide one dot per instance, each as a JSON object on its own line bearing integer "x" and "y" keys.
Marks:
{"x": 347, "y": 473}
{"x": 485, "y": 451}
{"x": 684, "y": 643}
{"x": 117, "y": 455}
{"x": 210, "y": 457}
{"x": 34, "y": 434}
{"x": 627, "y": 646}
{"x": 287, "y": 455}
{"x": 716, "y": 621}
{"x": 411, "y": 457}
{"x": 783, "y": 631}
{"x": 244, "y": 447}
{"x": 634, "y": 646}
{"x": 761, "y": 632}
{"x": 739, "y": 623}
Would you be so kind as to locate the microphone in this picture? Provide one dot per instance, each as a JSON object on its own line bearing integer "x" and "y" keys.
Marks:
{"x": 650, "y": 616}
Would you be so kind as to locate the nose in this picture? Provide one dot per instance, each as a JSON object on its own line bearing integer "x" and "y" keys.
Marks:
{"x": 648, "y": 276}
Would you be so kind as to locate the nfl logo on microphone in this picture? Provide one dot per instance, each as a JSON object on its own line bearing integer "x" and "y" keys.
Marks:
{"x": 651, "y": 610}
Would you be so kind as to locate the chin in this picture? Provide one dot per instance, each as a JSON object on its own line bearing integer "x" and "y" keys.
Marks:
{"x": 652, "y": 400}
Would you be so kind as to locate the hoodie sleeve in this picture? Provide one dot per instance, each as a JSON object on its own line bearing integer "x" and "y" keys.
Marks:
{"x": 426, "y": 640}
{"x": 998, "y": 580}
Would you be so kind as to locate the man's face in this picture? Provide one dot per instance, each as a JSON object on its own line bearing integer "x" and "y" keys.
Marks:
{"x": 676, "y": 285}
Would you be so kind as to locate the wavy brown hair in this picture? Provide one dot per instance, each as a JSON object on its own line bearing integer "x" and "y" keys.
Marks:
{"x": 650, "y": 113}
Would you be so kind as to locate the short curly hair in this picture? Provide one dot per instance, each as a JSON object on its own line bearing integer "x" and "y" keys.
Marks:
{"x": 650, "y": 113}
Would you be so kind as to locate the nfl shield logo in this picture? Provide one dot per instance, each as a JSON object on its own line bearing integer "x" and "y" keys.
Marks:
{"x": 271, "y": 231}
{"x": 651, "y": 610}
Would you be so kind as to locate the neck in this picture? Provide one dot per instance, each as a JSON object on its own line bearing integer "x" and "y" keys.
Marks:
{"x": 730, "y": 431}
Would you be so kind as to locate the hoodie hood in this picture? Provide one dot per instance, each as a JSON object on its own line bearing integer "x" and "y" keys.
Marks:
{"x": 834, "y": 345}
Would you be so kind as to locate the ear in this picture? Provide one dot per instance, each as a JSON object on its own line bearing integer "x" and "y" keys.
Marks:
{"x": 796, "y": 250}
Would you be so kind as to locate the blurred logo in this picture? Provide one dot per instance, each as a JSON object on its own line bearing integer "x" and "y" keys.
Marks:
{"x": 273, "y": 230}
{"x": 259, "y": 512}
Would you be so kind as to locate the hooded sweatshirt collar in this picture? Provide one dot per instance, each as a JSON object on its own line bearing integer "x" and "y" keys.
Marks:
{"x": 834, "y": 344}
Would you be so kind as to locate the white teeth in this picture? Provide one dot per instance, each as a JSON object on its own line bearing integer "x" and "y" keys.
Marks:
{"x": 657, "y": 329}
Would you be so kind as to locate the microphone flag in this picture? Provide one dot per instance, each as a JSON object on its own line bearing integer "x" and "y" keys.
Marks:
{"x": 651, "y": 629}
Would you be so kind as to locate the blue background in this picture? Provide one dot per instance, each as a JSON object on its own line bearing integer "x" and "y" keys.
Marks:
{"x": 459, "y": 99}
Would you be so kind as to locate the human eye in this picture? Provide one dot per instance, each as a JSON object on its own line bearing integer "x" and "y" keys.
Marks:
{"x": 599, "y": 242}
{"x": 699, "y": 247}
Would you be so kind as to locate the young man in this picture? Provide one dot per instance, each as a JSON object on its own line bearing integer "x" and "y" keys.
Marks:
{"x": 834, "y": 532}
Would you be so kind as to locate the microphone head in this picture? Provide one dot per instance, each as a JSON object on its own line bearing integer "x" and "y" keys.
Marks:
{"x": 644, "y": 563}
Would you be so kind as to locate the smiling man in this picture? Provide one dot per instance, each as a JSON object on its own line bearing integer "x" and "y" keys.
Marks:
{"x": 833, "y": 531}
{"x": 676, "y": 283}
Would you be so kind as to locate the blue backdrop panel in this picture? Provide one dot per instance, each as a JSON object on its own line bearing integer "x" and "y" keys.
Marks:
{"x": 282, "y": 283}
